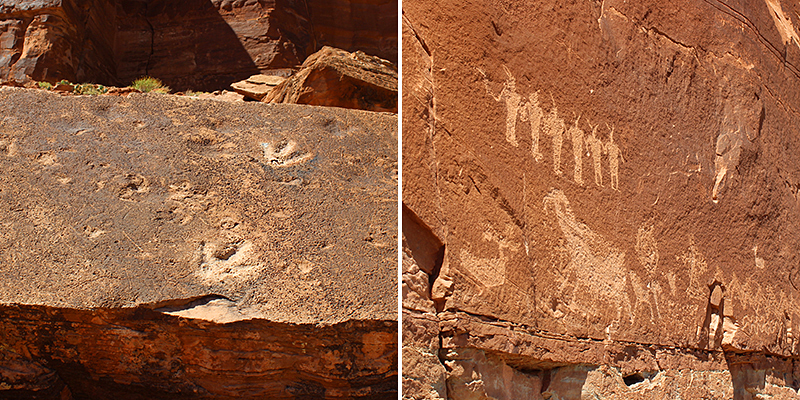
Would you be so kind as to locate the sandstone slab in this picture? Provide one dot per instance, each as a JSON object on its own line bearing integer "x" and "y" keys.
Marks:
{"x": 133, "y": 219}
{"x": 257, "y": 86}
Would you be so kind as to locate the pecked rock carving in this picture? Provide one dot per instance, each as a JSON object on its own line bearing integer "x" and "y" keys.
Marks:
{"x": 647, "y": 164}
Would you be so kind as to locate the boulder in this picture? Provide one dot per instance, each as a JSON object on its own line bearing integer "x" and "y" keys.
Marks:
{"x": 615, "y": 188}
{"x": 335, "y": 78}
{"x": 159, "y": 246}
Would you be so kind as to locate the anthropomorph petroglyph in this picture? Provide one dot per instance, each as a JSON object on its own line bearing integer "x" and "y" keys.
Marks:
{"x": 554, "y": 127}
{"x": 577, "y": 150}
{"x": 551, "y": 125}
{"x": 513, "y": 99}
{"x": 534, "y": 114}
{"x": 697, "y": 267}
{"x": 597, "y": 148}
{"x": 728, "y": 149}
{"x": 614, "y": 158}
{"x": 647, "y": 251}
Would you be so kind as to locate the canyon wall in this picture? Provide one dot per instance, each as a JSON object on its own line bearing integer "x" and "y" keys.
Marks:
{"x": 601, "y": 199}
{"x": 197, "y": 44}
{"x": 170, "y": 247}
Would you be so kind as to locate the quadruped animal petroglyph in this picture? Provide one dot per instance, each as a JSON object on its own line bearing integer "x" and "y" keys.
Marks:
{"x": 596, "y": 276}
{"x": 551, "y": 125}
{"x": 595, "y": 269}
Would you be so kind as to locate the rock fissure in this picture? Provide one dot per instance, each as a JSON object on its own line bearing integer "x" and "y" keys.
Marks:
{"x": 152, "y": 41}
{"x": 781, "y": 55}
{"x": 685, "y": 46}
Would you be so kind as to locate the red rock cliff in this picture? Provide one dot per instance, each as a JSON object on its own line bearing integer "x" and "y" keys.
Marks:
{"x": 196, "y": 44}
{"x": 602, "y": 199}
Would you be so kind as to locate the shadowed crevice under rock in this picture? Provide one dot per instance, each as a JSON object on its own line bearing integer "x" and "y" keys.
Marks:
{"x": 138, "y": 353}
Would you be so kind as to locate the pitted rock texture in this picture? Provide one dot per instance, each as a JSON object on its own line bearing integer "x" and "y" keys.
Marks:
{"x": 336, "y": 78}
{"x": 609, "y": 172}
{"x": 197, "y": 209}
{"x": 196, "y": 44}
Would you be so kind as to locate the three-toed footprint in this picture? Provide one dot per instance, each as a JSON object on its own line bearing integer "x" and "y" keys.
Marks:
{"x": 284, "y": 153}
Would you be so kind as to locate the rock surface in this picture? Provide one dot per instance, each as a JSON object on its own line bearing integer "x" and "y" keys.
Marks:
{"x": 335, "y": 78}
{"x": 195, "y": 44}
{"x": 145, "y": 225}
{"x": 615, "y": 189}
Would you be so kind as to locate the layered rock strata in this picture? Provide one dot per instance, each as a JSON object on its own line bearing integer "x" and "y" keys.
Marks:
{"x": 197, "y": 44}
{"x": 171, "y": 247}
{"x": 612, "y": 187}
{"x": 257, "y": 87}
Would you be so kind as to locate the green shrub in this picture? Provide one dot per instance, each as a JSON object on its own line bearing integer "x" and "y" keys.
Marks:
{"x": 149, "y": 84}
{"x": 89, "y": 89}
{"x": 45, "y": 85}
{"x": 63, "y": 82}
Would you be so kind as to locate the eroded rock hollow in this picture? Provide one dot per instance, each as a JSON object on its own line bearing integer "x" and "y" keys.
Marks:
{"x": 195, "y": 44}
{"x": 601, "y": 199}
{"x": 158, "y": 246}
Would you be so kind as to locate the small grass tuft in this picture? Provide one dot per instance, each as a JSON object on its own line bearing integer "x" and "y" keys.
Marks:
{"x": 44, "y": 85}
{"x": 89, "y": 89}
{"x": 149, "y": 84}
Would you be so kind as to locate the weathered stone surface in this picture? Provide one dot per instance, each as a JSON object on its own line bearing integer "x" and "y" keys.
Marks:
{"x": 424, "y": 374}
{"x": 333, "y": 77}
{"x": 613, "y": 172}
{"x": 257, "y": 86}
{"x": 131, "y": 223}
{"x": 195, "y": 44}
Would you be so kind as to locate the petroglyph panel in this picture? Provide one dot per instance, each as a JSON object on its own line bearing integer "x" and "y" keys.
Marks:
{"x": 491, "y": 272}
{"x": 596, "y": 268}
{"x": 549, "y": 125}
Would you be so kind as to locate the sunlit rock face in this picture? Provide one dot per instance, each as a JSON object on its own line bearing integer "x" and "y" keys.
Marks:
{"x": 614, "y": 189}
{"x": 164, "y": 246}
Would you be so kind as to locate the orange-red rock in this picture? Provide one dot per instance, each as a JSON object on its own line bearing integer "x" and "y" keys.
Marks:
{"x": 195, "y": 44}
{"x": 165, "y": 246}
{"x": 336, "y": 78}
{"x": 615, "y": 187}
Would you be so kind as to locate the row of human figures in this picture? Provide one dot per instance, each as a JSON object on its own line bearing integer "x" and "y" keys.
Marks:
{"x": 552, "y": 126}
